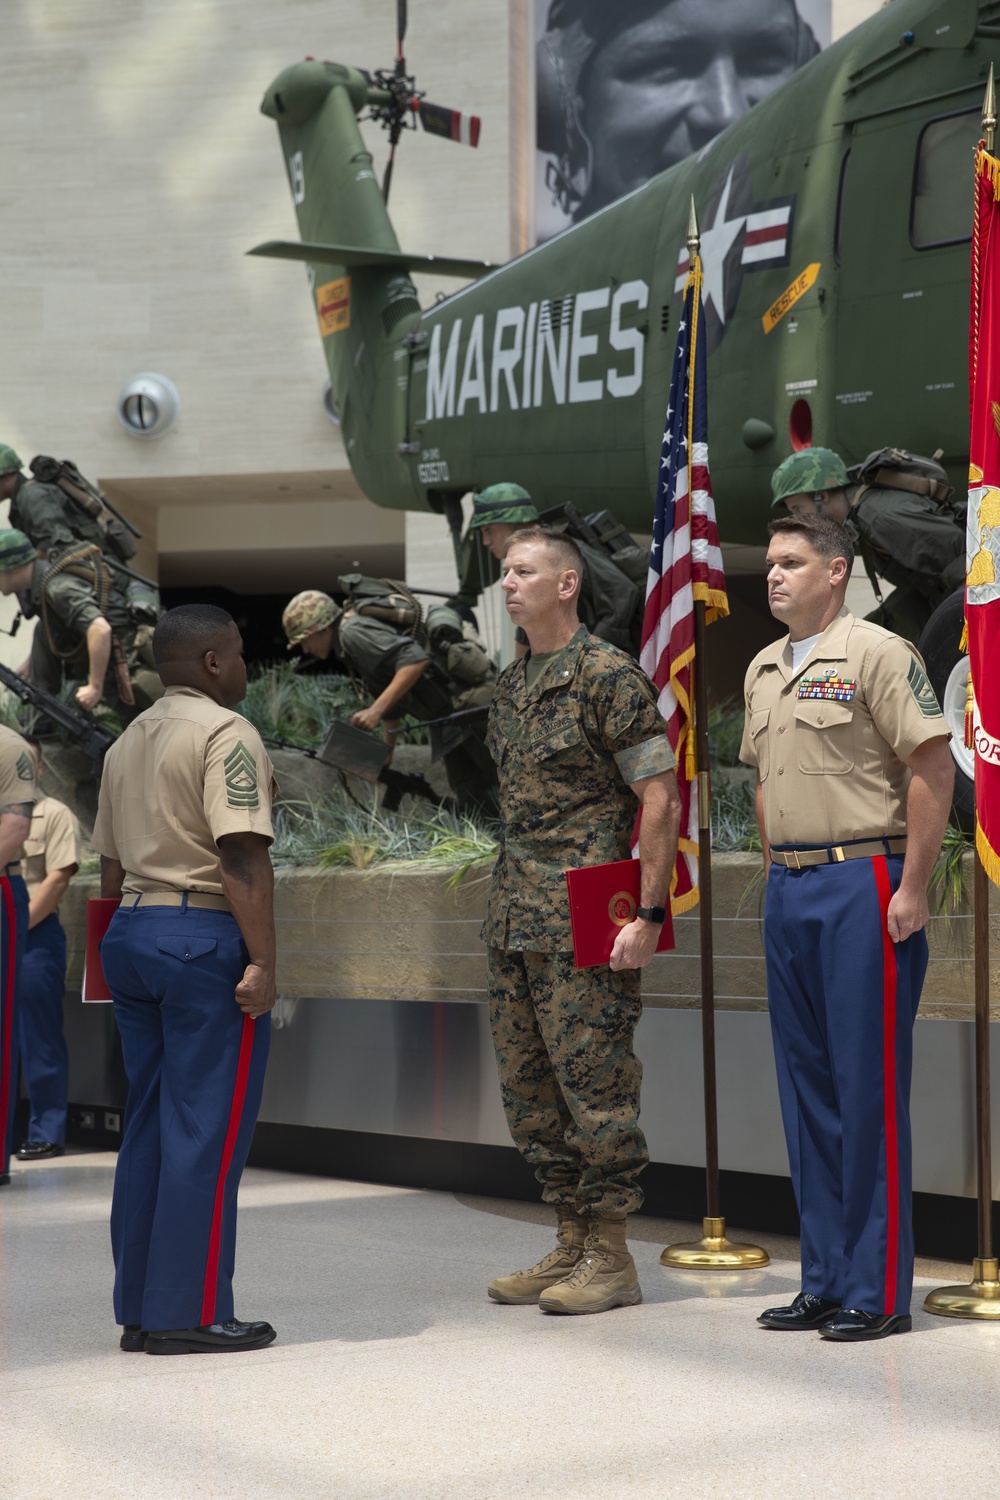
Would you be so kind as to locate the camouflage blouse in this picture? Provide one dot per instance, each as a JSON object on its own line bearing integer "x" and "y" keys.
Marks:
{"x": 566, "y": 751}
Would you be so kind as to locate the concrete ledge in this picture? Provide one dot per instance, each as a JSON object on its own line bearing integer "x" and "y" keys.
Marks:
{"x": 413, "y": 934}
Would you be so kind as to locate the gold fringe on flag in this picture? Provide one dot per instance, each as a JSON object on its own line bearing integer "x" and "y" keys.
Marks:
{"x": 715, "y": 600}
{"x": 680, "y": 904}
{"x": 988, "y": 166}
{"x": 990, "y": 859}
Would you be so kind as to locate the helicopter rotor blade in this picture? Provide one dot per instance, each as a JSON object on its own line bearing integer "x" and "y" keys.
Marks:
{"x": 387, "y": 177}
{"x": 450, "y": 124}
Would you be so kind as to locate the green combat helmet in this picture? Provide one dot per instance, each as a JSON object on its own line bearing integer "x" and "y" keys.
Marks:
{"x": 502, "y": 505}
{"x": 9, "y": 461}
{"x": 305, "y": 614}
{"x": 15, "y": 550}
{"x": 807, "y": 472}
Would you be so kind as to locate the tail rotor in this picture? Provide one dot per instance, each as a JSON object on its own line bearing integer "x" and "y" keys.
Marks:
{"x": 396, "y": 104}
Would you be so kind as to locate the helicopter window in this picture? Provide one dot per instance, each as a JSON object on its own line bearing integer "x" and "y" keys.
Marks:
{"x": 942, "y": 201}
{"x": 840, "y": 208}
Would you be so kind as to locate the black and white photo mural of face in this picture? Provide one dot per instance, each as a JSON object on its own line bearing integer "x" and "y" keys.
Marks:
{"x": 626, "y": 88}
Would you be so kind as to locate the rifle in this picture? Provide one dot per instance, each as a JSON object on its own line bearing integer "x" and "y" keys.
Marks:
{"x": 94, "y": 739}
{"x": 477, "y": 715}
{"x": 352, "y": 750}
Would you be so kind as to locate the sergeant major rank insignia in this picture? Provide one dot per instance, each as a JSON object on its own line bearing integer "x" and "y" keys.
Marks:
{"x": 917, "y": 682}
{"x": 241, "y": 777}
{"x": 25, "y": 769}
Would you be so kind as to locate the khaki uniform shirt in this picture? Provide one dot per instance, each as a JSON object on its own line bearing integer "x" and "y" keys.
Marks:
{"x": 53, "y": 844}
{"x": 184, "y": 773}
{"x": 566, "y": 751}
{"x": 17, "y": 772}
{"x": 830, "y": 741}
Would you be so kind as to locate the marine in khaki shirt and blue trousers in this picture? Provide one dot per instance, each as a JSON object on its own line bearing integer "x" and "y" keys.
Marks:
{"x": 854, "y": 784}
{"x": 183, "y": 829}
{"x": 18, "y": 794}
{"x": 51, "y": 857}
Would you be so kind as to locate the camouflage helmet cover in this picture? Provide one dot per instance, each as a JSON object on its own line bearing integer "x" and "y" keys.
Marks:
{"x": 806, "y": 472}
{"x": 306, "y": 613}
{"x": 502, "y": 504}
{"x": 9, "y": 461}
{"x": 15, "y": 550}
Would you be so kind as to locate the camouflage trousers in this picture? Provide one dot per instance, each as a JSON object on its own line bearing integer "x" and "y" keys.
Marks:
{"x": 569, "y": 1077}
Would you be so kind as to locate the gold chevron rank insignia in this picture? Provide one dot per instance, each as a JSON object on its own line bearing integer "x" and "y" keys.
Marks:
{"x": 241, "y": 777}
{"x": 25, "y": 769}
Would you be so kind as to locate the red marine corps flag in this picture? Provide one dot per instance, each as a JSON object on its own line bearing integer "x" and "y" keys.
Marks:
{"x": 685, "y": 567}
{"x": 982, "y": 594}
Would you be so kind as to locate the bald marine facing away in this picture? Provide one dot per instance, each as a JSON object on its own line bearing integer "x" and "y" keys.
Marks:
{"x": 183, "y": 831}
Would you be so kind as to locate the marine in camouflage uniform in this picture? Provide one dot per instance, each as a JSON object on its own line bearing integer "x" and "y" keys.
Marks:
{"x": 381, "y": 657}
{"x": 67, "y": 604}
{"x": 902, "y": 537}
{"x": 571, "y": 735}
{"x": 610, "y": 603}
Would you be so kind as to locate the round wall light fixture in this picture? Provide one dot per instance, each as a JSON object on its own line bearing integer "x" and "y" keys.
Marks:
{"x": 148, "y": 405}
{"x": 330, "y": 406}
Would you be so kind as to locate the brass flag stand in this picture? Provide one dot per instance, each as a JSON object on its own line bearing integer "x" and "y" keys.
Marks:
{"x": 980, "y": 1298}
{"x": 713, "y": 1250}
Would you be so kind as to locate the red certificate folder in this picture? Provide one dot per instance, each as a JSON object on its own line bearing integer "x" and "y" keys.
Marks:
{"x": 602, "y": 900}
{"x": 100, "y": 910}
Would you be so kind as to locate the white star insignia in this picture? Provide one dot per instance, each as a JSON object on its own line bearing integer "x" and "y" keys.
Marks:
{"x": 715, "y": 246}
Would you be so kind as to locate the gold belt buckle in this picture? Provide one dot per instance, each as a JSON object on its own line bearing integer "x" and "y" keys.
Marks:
{"x": 838, "y": 855}
{"x": 794, "y": 854}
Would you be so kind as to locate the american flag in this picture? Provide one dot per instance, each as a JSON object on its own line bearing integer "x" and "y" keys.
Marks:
{"x": 685, "y": 565}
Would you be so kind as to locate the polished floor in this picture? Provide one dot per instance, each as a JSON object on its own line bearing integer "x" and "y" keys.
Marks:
{"x": 394, "y": 1378}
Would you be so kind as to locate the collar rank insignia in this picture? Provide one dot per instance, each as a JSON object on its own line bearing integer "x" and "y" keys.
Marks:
{"x": 830, "y": 686}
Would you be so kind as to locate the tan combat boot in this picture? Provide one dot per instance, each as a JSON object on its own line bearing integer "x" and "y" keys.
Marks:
{"x": 525, "y": 1287}
{"x": 604, "y": 1277}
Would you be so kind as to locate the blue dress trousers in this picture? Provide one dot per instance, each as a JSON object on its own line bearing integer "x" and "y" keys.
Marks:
{"x": 13, "y": 932}
{"x": 843, "y": 999}
{"x": 195, "y": 1067}
{"x": 44, "y": 1058}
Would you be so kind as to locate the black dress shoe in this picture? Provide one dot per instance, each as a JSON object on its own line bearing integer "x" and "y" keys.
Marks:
{"x": 39, "y": 1150}
{"x": 806, "y": 1311}
{"x": 4, "y": 1179}
{"x": 133, "y": 1339}
{"x": 210, "y": 1338}
{"x": 850, "y": 1326}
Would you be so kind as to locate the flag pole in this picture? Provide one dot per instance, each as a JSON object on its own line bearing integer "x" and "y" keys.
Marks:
{"x": 979, "y": 1298}
{"x": 714, "y": 1250}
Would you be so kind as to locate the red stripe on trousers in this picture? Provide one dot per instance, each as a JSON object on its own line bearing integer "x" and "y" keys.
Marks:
{"x": 7, "y": 1032}
{"x": 884, "y": 889}
{"x": 235, "y": 1116}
